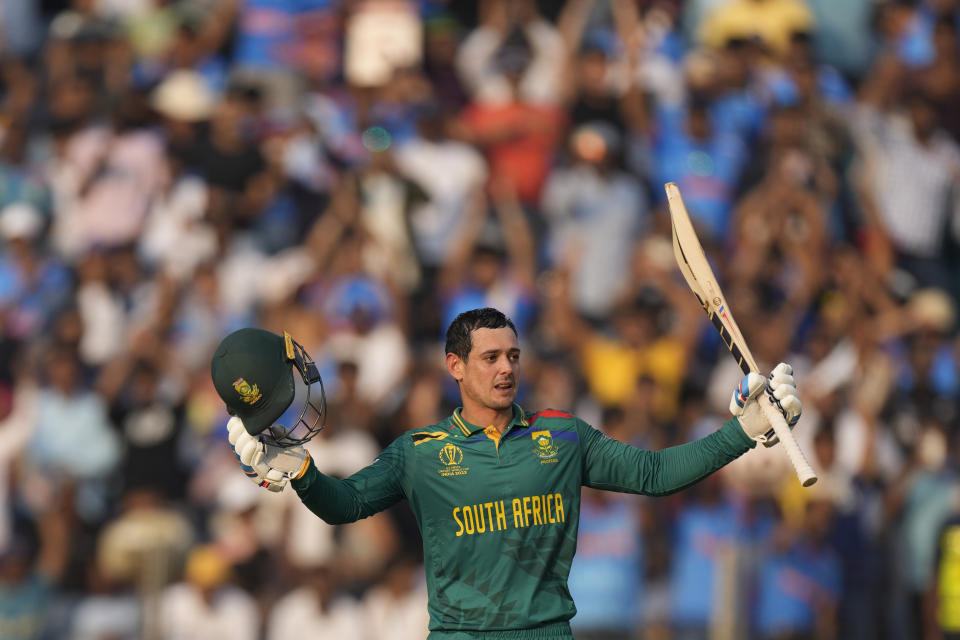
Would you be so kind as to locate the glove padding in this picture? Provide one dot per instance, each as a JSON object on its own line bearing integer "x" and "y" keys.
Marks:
{"x": 267, "y": 465}
{"x": 745, "y": 405}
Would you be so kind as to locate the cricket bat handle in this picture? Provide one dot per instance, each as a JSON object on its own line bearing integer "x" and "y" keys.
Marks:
{"x": 805, "y": 472}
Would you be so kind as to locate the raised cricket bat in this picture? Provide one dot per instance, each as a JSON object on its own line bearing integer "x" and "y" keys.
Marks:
{"x": 698, "y": 274}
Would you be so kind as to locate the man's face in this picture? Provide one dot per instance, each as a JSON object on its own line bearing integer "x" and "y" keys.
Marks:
{"x": 698, "y": 125}
{"x": 484, "y": 269}
{"x": 592, "y": 70}
{"x": 490, "y": 374}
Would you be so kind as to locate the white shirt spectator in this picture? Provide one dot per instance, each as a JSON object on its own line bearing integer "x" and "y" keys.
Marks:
{"x": 403, "y": 618}
{"x": 448, "y": 171}
{"x": 241, "y": 263}
{"x": 390, "y": 254}
{"x": 103, "y": 186}
{"x": 854, "y": 438}
{"x": 912, "y": 183}
{"x": 104, "y": 322}
{"x": 594, "y": 221}
{"x": 67, "y": 173}
{"x": 72, "y": 440}
{"x": 122, "y": 8}
{"x": 300, "y": 616}
{"x": 309, "y": 539}
{"x": 73, "y": 435}
{"x": 174, "y": 236}
{"x": 542, "y": 80}
{"x": 382, "y": 357}
{"x": 107, "y": 616}
{"x": 185, "y": 616}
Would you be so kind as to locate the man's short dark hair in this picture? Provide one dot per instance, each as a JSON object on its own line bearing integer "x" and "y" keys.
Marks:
{"x": 459, "y": 332}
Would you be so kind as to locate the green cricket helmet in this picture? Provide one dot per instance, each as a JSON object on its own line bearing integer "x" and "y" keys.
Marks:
{"x": 252, "y": 370}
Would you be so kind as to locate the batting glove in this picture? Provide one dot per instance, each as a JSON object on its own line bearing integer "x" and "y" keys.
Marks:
{"x": 744, "y": 402}
{"x": 269, "y": 466}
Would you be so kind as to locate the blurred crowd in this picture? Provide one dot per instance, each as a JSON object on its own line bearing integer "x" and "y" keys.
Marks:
{"x": 357, "y": 173}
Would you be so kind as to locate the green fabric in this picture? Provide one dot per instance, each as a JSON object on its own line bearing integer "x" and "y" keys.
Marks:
{"x": 556, "y": 631}
{"x": 499, "y": 523}
{"x": 253, "y": 375}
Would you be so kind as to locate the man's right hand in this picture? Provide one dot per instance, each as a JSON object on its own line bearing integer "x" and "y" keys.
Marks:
{"x": 269, "y": 466}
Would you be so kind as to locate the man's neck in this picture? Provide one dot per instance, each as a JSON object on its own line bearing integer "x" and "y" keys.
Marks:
{"x": 500, "y": 419}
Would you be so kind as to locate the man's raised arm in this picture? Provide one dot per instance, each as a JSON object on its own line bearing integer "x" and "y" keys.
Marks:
{"x": 613, "y": 465}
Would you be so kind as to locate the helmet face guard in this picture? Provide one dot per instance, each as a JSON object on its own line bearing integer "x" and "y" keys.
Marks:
{"x": 313, "y": 413}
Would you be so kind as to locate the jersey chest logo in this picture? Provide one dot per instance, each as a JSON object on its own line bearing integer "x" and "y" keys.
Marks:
{"x": 544, "y": 446}
{"x": 451, "y": 456}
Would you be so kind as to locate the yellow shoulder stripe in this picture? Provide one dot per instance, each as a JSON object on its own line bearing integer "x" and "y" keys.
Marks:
{"x": 425, "y": 436}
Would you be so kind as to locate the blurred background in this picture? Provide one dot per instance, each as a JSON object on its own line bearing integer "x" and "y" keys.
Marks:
{"x": 357, "y": 173}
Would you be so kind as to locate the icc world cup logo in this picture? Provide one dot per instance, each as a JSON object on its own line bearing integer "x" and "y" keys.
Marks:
{"x": 451, "y": 455}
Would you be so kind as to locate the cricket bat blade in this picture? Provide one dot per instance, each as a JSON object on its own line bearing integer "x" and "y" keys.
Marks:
{"x": 699, "y": 275}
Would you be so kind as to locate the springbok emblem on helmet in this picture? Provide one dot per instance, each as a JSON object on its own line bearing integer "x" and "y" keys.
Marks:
{"x": 249, "y": 393}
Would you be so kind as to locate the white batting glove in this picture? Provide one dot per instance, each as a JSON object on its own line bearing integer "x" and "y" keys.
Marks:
{"x": 268, "y": 466}
{"x": 783, "y": 391}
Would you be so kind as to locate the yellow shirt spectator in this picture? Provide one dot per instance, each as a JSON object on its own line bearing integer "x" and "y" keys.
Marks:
{"x": 612, "y": 370}
{"x": 773, "y": 21}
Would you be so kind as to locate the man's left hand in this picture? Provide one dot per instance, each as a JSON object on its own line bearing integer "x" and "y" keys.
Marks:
{"x": 745, "y": 402}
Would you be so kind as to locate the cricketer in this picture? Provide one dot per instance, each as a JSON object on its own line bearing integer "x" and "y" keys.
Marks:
{"x": 495, "y": 489}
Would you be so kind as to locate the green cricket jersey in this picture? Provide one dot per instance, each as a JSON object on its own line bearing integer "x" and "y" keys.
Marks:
{"x": 499, "y": 513}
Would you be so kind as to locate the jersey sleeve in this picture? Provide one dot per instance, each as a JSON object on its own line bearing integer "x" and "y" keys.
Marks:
{"x": 368, "y": 491}
{"x": 612, "y": 465}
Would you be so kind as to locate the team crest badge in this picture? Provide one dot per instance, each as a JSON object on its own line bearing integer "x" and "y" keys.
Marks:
{"x": 249, "y": 393}
{"x": 545, "y": 447}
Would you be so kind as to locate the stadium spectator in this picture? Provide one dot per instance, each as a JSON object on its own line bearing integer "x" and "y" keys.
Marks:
{"x": 32, "y": 563}
{"x": 799, "y": 579}
{"x": 316, "y": 610}
{"x": 594, "y": 212}
{"x": 204, "y": 605}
